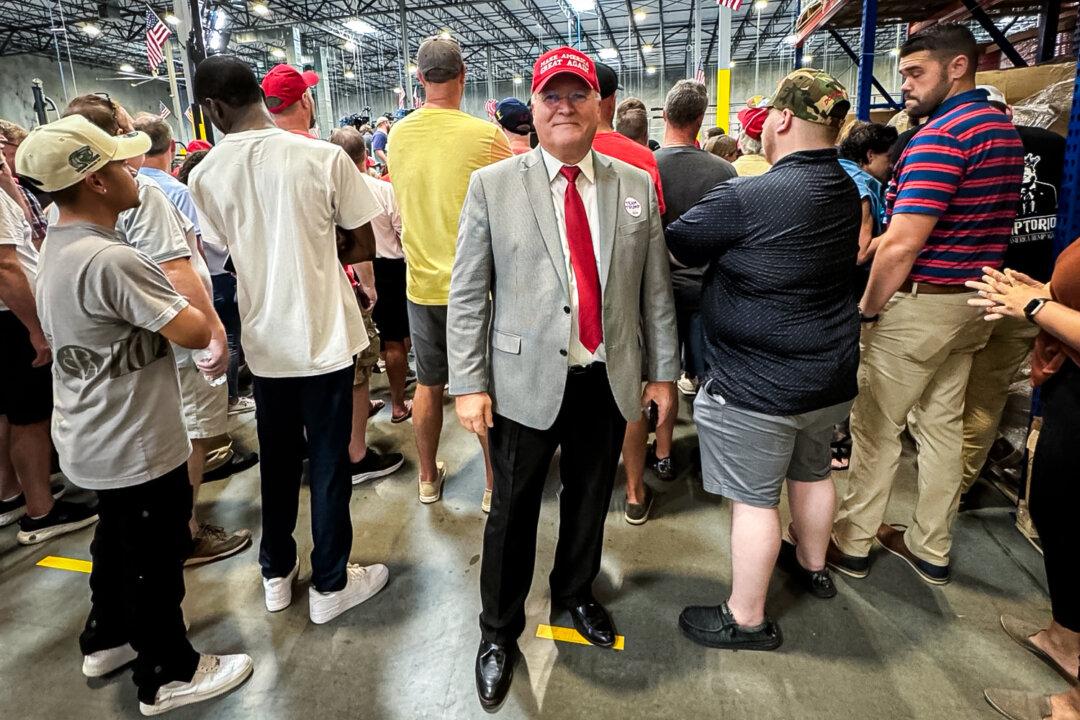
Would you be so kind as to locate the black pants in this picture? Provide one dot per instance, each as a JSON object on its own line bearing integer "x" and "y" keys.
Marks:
{"x": 227, "y": 309}
{"x": 286, "y": 410}
{"x": 1055, "y": 492}
{"x": 137, "y": 582}
{"x": 589, "y": 429}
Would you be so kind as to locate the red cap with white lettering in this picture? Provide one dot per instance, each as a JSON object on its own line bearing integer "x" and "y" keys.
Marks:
{"x": 563, "y": 60}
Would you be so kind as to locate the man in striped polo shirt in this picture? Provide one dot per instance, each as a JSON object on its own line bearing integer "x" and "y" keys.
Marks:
{"x": 951, "y": 207}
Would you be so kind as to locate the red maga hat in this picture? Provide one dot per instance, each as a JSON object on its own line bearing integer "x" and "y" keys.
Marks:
{"x": 752, "y": 120}
{"x": 287, "y": 84}
{"x": 563, "y": 60}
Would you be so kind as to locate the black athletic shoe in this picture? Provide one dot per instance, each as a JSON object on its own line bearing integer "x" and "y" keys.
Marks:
{"x": 13, "y": 509}
{"x": 375, "y": 465}
{"x": 65, "y": 517}
{"x": 715, "y": 626}
{"x": 817, "y": 582}
{"x": 663, "y": 467}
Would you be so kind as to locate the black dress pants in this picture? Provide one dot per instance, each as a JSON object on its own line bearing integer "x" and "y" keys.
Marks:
{"x": 288, "y": 410}
{"x": 137, "y": 582}
{"x": 589, "y": 429}
{"x": 1055, "y": 492}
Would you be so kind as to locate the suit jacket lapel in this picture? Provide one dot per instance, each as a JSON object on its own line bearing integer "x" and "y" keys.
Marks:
{"x": 538, "y": 189}
{"x": 607, "y": 205}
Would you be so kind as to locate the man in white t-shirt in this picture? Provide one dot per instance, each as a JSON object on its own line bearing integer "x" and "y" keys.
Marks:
{"x": 26, "y": 399}
{"x": 276, "y": 201}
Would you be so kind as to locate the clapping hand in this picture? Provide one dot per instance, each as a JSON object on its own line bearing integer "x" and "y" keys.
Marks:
{"x": 1006, "y": 294}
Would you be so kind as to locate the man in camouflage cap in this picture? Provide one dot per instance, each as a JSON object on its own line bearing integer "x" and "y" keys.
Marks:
{"x": 781, "y": 348}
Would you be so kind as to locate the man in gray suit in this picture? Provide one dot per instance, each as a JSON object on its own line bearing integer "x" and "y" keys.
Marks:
{"x": 555, "y": 316}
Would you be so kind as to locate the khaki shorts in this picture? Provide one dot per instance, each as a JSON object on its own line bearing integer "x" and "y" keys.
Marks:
{"x": 206, "y": 407}
{"x": 369, "y": 356}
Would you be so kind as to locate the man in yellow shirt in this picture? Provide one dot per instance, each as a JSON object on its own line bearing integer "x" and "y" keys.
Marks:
{"x": 431, "y": 191}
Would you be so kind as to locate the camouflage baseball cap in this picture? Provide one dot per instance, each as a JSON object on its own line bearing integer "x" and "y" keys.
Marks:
{"x": 811, "y": 95}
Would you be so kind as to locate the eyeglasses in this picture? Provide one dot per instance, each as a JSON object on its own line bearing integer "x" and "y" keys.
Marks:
{"x": 553, "y": 99}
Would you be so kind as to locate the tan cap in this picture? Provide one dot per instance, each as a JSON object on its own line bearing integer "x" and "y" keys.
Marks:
{"x": 439, "y": 60}
{"x": 62, "y": 153}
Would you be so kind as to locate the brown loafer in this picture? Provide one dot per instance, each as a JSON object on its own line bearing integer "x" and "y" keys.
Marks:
{"x": 891, "y": 537}
{"x": 1019, "y": 705}
{"x": 1022, "y": 632}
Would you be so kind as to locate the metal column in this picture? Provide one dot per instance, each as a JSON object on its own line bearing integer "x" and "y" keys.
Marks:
{"x": 663, "y": 50}
{"x": 324, "y": 104}
{"x": 191, "y": 27}
{"x": 798, "y": 56}
{"x": 1049, "y": 16}
{"x": 1068, "y": 219}
{"x": 866, "y": 61}
{"x": 408, "y": 82}
{"x": 490, "y": 73}
{"x": 723, "y": 69}
{"x": 858, "y": 63}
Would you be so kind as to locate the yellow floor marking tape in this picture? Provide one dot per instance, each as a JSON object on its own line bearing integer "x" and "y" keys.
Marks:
{"x": 63, "y": 563}
{"x": 570, "y": 635}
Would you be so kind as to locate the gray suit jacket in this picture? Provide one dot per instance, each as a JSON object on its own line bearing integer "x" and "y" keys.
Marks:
{"x": 507, "y": 323}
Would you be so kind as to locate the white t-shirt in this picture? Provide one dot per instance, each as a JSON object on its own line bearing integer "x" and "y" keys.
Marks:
{"x": 386, "y": 225}
{"x": 274, "y": 198}
{"x": 14, "y": 230}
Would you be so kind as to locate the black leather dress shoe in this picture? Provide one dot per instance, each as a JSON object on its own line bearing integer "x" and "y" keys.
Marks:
{"x": 494, "y": 672}
{"x": 594, "y": 623}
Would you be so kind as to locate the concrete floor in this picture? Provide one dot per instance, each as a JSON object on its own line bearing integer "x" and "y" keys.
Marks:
{"x": 886, "y": 647}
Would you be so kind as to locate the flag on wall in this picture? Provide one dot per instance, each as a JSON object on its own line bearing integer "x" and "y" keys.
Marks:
{"x": 157, "y": 34}
{"x": 732, "y": 5}
{"x": 163, "y": 110}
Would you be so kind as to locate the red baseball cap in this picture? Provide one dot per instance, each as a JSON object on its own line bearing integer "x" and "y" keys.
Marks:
{"x": 285, "y": 84}
{"x": 752, "y": 120}
{"x": 564, "y": 60}
{"x": 197, "y": 145}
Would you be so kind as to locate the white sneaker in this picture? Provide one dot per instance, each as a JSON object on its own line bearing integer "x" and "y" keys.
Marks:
{"x": 362, "y": 583}
{"x": 431, "y": 491}
{"x": 103, "y": 662}
{"x": 215, "y": 675}
{"x": 687, "y": 386}
{"x": 278, "y": 590}
{"x": 241, "y": 406}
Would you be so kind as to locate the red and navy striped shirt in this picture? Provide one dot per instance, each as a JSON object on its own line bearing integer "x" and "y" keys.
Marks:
{"x": 964, "y": 167}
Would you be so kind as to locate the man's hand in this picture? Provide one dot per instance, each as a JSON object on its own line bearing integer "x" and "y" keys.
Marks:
{"x": 474, "y": 412}
{"x": 214, "y": 361}
{"x": 43, "y": 353}
{"x": 661, "y": 393}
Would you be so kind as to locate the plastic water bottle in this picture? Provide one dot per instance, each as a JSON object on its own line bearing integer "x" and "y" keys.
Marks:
{"x": 214, "y": 382}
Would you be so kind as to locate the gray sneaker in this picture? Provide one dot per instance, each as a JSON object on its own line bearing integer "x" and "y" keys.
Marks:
{"x": 638, "y": 513}
{"x": 213, "y": 543}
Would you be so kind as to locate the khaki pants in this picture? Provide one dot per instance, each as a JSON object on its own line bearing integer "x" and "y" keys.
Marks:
{"x": 919, "y": 354}
{"x": 992, "y": 372}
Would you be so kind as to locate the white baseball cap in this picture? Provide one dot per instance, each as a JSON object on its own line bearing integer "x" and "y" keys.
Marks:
{"x": 62, "y": 153}
{"x": 993, "y": 94}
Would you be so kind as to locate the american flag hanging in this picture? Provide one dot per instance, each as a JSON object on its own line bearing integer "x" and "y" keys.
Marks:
{"x": 699, "y": 75}
{"x": 163, "y": 110}
{"x": 490, "y": 107}
{"x": 416, "y": 100}
{"x": 732, "y": 5}
{"x": 157, "y": 33}
{"x": 401, "y": 100}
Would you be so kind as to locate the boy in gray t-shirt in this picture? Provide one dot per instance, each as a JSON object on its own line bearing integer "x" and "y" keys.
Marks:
{"x": 109, "y": 314}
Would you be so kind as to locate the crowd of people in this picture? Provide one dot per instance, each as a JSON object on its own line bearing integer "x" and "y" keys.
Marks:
{"x": 811, "y": 279}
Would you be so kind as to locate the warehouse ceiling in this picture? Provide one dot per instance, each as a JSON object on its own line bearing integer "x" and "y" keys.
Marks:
{"x": 361, "y": 39}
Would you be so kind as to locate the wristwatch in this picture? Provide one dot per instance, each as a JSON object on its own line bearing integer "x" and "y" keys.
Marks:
{"x": 1033, "y": 307}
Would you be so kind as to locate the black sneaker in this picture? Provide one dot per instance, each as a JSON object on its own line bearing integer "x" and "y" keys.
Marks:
{"x": 638, "y": 514}
{"x": 663, "y": 467}
{"x": 850, "y": 565}
{"x": 817, "y": 582}
{"x": 715, "y": 626}
{"x": 375, "y": 465}
{"x": 64, "y": 517}
{"x": 13, "y": 509}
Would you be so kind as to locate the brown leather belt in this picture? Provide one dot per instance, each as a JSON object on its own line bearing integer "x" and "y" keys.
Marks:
{"x": 921, "y": 288}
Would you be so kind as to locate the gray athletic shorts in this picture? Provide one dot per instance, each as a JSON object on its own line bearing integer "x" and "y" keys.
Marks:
{"x": 746, "y": 455}
{"x": 427, "y": 327}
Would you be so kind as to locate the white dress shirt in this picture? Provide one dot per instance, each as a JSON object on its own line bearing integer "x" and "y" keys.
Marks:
{"x": 577, "y": 354}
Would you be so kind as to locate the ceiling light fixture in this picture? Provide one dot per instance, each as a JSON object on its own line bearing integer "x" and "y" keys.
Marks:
{"x": 791, "y": 39}
{"x": 639, "y": 16}
{"x": 647, "y": 47}
{"x": 807, "y": 59}
{"x": 277, "y": 52}
{"x": 445, "y": 34}
{"x": 650, "y": 70}
{"x": 349, "y": 46}
{"x": 221, "y": 19}
{"x": 761, "y": 5}
{"x": 359, "y": 26}
{"x": 517, "y": 79}
{"x": 608, "y": 53}
{"x": 581, "y": 6}
{"x": 260, "y": 9}
{"x": 127, "y": 67}
{"x": 172, "y": 19}
{"x": 91, "y": 29}
{"x": 349, "y": 74}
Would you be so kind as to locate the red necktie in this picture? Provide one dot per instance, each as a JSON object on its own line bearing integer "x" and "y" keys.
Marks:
{"x": 583, "y": 260}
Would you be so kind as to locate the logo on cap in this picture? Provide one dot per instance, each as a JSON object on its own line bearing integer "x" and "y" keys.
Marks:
{"x": 83, "y": 158}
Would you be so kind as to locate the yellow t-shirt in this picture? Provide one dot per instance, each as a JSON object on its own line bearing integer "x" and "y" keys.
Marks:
{"x": 430, "y": 186}
{"x": 748, "y": 165}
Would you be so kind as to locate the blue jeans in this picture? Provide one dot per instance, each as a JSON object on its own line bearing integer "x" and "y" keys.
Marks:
{"x": 229, "y": 312}
{"x": 318, "y": 407}
{"x": 694, "y": 347}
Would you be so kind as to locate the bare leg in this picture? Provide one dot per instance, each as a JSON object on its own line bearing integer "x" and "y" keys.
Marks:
{"x": 665, "y": 432}
{"x": 195, "y": 465}
{"x": 30, "y": 456}
{"x": 396, "y": 369}
{"x": 1060, "y": 643}
{"x": 755, "y": 543}
{"x": 9, "y": 482}
{"x": 358, "y": 439}
{"x": 427, "y": 425}
{"x": 633, "y": 454}
{"x": 813, "y": 507}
